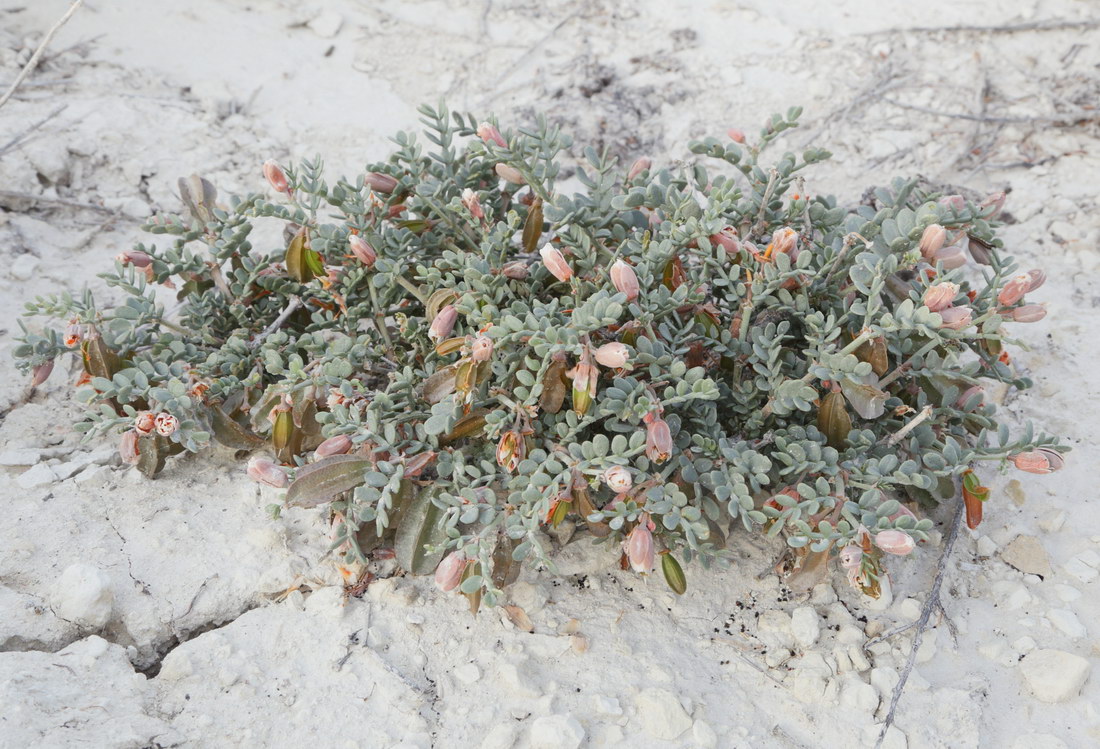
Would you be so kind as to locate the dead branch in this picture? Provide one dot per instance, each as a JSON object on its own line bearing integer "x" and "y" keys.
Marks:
{"x": 18, "y": 139}
{"x": 930, "y": 604}
{"x": 996, "y": 29}
{"x": 1058, "y": 120}
{"x": 33, "y": 62}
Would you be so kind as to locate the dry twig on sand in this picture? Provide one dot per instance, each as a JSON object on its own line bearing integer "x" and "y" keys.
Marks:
{"x": 930, "y": 605}
{"x": 19, "y": 138}
{"x": 1072, "y": 118}
{"x": 33, "y": 62}
{"x": 1012, "y": 28}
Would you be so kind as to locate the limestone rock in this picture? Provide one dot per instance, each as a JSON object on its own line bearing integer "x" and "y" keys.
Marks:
{"x": 1026, "y": 554}
{"x": 1054, "y": 675}
{"x": 83, "y": 595}
{"x": 556, "y": 732}
{"x": 661, "y": 714}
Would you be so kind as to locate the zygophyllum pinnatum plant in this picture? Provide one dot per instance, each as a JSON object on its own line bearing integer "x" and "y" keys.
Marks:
{"x": 453, "y": 351}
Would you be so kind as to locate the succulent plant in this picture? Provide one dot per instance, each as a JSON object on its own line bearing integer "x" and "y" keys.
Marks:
{"x": 454, "y": 351}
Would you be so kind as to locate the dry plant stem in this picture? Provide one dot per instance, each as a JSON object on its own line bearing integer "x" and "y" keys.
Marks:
{"x": 1058, "y": 120}
{"x": 33, "y": 62}
{"x": 1003, "y": 29}
{"x": 18, "y": 139}
{"x": 291, "y": 307}
{"x": 916, "y": 421}
{"x": 14, "y": 195}
{"x": 930, "y": 605}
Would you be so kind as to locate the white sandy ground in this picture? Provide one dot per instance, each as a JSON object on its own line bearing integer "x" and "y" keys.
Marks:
{"x": 102, "y": 573}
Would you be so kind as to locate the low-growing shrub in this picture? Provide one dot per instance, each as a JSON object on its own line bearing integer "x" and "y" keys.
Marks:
{"x": 455, "y": 351}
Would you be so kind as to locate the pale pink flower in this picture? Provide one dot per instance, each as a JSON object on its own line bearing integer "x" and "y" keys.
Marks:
{"x": 940, "y": 296}
{"x": 555, "y": 263}
{"x": 482, "y": 348}
{"x": 737, "y": 136}
{"x": 381, "y": 183}
{"x": 1038, "y": 278}
{"x": 950, "y": 257}
{"x": 449, "y": 572}
{"x": 473, "y": 205}
{"x": 516, "y": 270}
{"x": 41, "y": 373}
{"x": 489, "y": 133}
{"x": 145, "y": 422}
{"x": 727, "y": 240}
{"x": 639, "y": 547}
{"x": 638, "y": 167}
{"x": 276, "y": 176}
{"x": 362, "y": 250}
{"x": 166, "y": 424}
{"x": 895, "y": 542}
{"x": 443, "y": 323}
{"x": 1040, "y": 460}
{"x": 337, "y": 445}
{"x": 267, "y": 472}
{"x": 624, "y": 279}
{"x": 658, "y": 442}
{"x": 955, "y": 318}
{"x": 932, "y": 240}
{"x": 613, "y": 355}
{"x": 510, "y": 174}
{"x": 1015, "y": 289}
{"x": 1029, "y": 313}
{"x": 618, "y": 479}
{"x": 128, "y": 447}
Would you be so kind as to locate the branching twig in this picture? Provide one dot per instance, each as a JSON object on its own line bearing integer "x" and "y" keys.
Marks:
{"x": 930, "y": 605}
{"x": 1065, "y": 119}
{"x": 33, "y": 62}
{"x": 997, "y": 29}
{"x": 18, "y": 139}
{"x": 291, "y": 307}
{"x": 913, "y": 423}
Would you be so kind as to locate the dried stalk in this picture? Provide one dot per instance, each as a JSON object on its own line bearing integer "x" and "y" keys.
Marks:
{"x": 33, "y": 62}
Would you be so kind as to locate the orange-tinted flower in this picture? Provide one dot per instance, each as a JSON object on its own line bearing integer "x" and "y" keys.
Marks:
{"x": 276, "y": 176}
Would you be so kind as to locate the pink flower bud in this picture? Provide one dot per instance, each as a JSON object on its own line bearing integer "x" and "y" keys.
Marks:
{"x": 381, "y": 183}
{"x": 145, "y": 422}
{"x": 1029, "y": 313}
{"x": 1040, "y": 460}
{"x": 618, "y": 479}
{"x": 136, "y": 258}
{"x": 613, "y": 355}
{"x": 625, "y": 280}
{"x": 516, "y": 270}
{"x": 276, "y": 176}
{"x": 443, "y": 323}
{"x": 128, "y": 447}
{"x": 658, "y": 440}
{"x": 950, "y": 257}
{"x": 449, "y": 572}
{"x": 490, "y": 134}
{"x": 166, "y": 424}
{"x": 995, "y": 202}
{"x": 482, "y": 348}
{"x": 967, "y": 394}
{"x": 555, "y": 263}
{"x": 727, "y": 240}
{"x": 932, "y": 240}
{"x": 510, "y": 174}
{"x": 473, "y": 205}
{"x": 955, "y": 318}
{"x": 940, "y": 296}
{"x": 737, "y": 136}
{"x": 895, "y": 542}
{"x": 41, "y": 373}
{"x": 1038, "y": 278}
{"x": 266, "y": 472}
{"x": 639, "y": 547}
{"x": 362, "y": 250}
{"x": 1015, "y": 289}
{"x": 337, "y": 445}
{"x": 783, "y": 240}
{"x": 955, "y": 202}
{"x": 638, "y": 167}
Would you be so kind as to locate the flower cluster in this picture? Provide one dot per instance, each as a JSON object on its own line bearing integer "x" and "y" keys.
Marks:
{"x": 454, "y": 355}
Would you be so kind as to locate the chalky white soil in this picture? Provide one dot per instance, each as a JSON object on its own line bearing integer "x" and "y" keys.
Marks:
{"x": 177, "y": 613}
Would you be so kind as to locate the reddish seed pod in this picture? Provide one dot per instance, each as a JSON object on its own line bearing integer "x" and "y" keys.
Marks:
{"x": 510, "y": 174}
{"x": 1015, "y": 289}
{"x": 381, "y": 183}
{"x": 956, "y": 318}
{"x": 268, "y": 473}
{"x": 449, "y": 572}
{"x": 276, "y": 176}
{"x": 1029, "y": 313}
{"x": 516, "y": 270}
{"x": 895, "y": 542}
{"x": 555, "y": 263}
{"x": 443, "y": 323}
{"x": 362, "y": 250}
{"x": 737, "y": 136}
{"x": 41, "y": 373}
{"x": 638, "y": 167}
{"x": 338, "y": 445}
{"x": 128, "y": 447}
{"x": 950, "y": 257}
{"x": 1038, "y": 278}
{"x": 1041, "y": 460}
{"x": 625, "y": 280}
{"x": 932, "y": 240}
{"x": 658, "y": 442}
{"x": 489, "y": 133}
{"x": 136, "y": 258}
{"x": 639, "y": 547}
